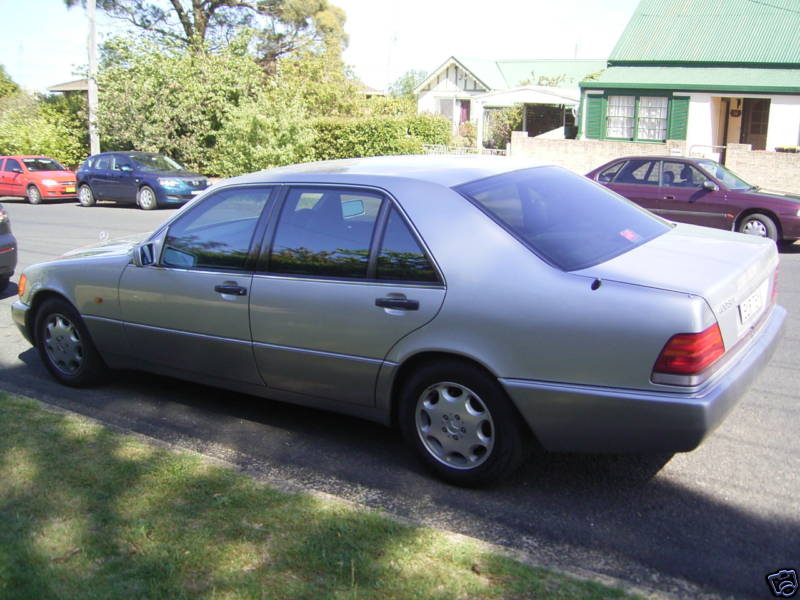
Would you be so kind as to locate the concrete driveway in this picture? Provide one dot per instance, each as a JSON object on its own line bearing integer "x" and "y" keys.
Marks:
{"x": 713, "y": 522}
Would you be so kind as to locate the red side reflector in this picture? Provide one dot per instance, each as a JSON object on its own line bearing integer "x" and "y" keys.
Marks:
{"x": 691, "y": 353}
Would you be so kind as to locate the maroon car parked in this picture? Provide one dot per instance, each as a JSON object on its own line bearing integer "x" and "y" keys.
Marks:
{"x": 702, "y": 192}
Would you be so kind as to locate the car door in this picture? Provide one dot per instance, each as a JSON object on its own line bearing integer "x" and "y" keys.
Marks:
{"x": 345, "y": 279}
{"x": 685, "y": 197}
{"x": 3, "y": 175}
{"x": 121, "y": 181}
{"x": 636, "y": 180}
{"x": 188, "y": 313}
{"x": 14, "y": 178}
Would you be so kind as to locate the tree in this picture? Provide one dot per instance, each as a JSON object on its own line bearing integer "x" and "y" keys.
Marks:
{"x": 7, "y": 85}
{"x": 405, "y": 85}
{"x": 280, "y": 27}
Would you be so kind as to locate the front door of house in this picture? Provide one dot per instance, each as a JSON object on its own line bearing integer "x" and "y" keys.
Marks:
{"x": 755, "y": 119}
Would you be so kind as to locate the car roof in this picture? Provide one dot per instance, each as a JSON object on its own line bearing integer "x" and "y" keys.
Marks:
{"x": 445, "y": 170}
{"x": 659, "y": 157}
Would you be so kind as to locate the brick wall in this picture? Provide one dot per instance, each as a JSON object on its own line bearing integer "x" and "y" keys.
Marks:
{"x": 582, "y": 156}
{"x": 772, "y": 170}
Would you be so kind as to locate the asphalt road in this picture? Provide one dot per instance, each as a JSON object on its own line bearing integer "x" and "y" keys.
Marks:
{"x": 711, "y": 522}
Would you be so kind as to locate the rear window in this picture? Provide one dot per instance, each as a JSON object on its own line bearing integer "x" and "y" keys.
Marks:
{"x": 564, "y": 218}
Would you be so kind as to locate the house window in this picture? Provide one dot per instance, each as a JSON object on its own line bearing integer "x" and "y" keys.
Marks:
{"x": 652, "y": 118}
{"x": 621, "y": 111}
{"x": 446, "y": 108}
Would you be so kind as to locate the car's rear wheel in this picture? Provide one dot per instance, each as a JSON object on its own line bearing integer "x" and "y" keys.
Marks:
{"x": 65, "y": 346}
{"x": 4, "y": 282}
{"x": 146, "y": 199}
{"x": 461, "y": 423}
{"x": 86, "y": 196}
{"x": 759, "y": 225}
{"x": 34, "y": 195}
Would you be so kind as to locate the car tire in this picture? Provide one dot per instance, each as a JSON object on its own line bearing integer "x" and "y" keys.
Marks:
{"x": 146, "y": 198}
{"x": 461, "y": 424}
{"x": 65, "y": 346}
{"x": 759, "y": 225}
{"x": 33, "y": 194}
{"x": 86, "y": 196}
{"x": 4, "y": 283}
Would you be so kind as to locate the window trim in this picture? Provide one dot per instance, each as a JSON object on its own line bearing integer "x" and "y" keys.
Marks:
{"x": 388, "y": 201}
{"x": 253, "y": 250}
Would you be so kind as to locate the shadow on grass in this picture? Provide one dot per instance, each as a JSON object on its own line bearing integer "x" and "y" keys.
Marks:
{"x": 88, "y": 513}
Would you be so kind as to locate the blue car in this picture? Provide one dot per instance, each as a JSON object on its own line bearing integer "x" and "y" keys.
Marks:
{"x": 145, "y": 179}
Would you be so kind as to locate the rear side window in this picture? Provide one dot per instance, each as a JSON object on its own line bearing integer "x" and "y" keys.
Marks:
{"x": 401, "y": 257}
{"x": 12, "y": 164}
{"x": 564, "y": 218}
{"x": 325, "y": 232}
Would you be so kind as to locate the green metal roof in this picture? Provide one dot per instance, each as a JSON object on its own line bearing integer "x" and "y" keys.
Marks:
{"x": 711, "y": 31}
{"x": 506, "y": 74}
{"x": 707, "y": 79}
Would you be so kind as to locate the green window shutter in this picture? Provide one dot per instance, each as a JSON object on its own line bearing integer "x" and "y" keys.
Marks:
{"x": 594, "y": 116}
{"x": 678, "y": 117}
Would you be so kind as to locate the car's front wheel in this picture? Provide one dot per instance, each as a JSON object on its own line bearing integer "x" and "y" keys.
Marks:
{"x": 65, "y": 346}
{"x": 760, "y": 225}
{"x": 146, "y": 199}
{"x": 461, "y": 423}
{"x": 34, "y": 195}
{"x": 86, "y": 196}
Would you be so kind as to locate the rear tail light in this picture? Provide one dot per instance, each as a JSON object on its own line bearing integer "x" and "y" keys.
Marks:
{"x": 691, "y": 353}
{"x": 23, "y": 281}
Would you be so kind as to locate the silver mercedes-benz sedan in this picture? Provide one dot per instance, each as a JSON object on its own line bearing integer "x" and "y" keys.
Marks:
{"x": 476, "y": 303}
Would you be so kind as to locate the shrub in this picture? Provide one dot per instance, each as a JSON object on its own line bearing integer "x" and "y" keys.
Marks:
{"x": 431, "y": 129}
{"x": 371, "y": 136}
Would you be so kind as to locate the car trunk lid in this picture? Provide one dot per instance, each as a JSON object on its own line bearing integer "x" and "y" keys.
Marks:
{"x": 733, "y": 272}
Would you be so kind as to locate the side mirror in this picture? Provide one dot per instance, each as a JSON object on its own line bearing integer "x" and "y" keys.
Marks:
{"x": 710, "y": 186}
{"x": 144, "y": 254}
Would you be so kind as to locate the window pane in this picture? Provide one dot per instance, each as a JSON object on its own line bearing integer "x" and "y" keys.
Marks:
{"x": 401, "y": 258}
{"x": 564, "y": 218}
{"x": 217, "y": 233}
{"x": 652, "y": 118}
{"x": 325, "y": 232}
{"x": 680, "y": 174}
{"x": 639, "y": 172}
{"x": 608, "y": 175}
{"x": 12, "y": 164}
{"x": 620, "y": 116}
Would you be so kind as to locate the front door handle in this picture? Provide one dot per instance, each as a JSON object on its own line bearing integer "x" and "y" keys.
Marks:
{"x": 232, "y": 289}
{"x": 669, "y": 197}
{"x": 397, "y": 303}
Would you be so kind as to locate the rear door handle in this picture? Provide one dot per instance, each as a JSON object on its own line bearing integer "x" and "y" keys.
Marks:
{"x": 397, "y": 303}
{"x": 233, "y": 290}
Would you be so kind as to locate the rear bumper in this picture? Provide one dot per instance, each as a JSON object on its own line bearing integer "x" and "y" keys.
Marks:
{"x": 8, "y": 254}
{"x": 577, "y": 418}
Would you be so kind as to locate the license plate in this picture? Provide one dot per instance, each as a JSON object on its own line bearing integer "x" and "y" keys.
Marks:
{"x": 70, "y": 189}
{"x": 753, "y": 304}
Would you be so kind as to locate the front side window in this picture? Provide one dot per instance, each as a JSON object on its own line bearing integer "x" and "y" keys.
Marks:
{"x": 325, "y": 232}
{"x": 42, "y": 164}
{"x": 565, "y": 219}
{"x": 681, "y": 174}
{"x": 728, "y": 178}
{"x": 401, "y": 258}
{"x": 217, "y": 233}
{"x": 620, "y": 116}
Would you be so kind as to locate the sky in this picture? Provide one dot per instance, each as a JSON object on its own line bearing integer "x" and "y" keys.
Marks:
{"x": 44, "y": 44}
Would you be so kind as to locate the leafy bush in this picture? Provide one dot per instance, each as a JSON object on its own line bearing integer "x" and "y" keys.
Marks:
{"x": 431, "y": 129}
{"x": 500, "y": 123}
{"x": 31, "y": 126}
{"x": 371, "y": 136}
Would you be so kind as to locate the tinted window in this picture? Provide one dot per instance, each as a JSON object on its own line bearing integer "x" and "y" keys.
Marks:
{"x": 608, "y": 175}
{"x": 155, "y": 162}
{"x": 12, "y": 164}
{"x": 102, "y": 163}
{"x": 566, "y": 219}
{"x": 401, "y": 257}
{"x": 42, "y": 164}
{"x": 216, "y": 233}
{"x": 680, "y": 174}
{"x": 325, "y": 232}
{"x": 730, "y": 180}
{"x": 641, "y": 172}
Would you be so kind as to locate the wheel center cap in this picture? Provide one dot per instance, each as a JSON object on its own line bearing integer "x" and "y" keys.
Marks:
{"x": 453, "y": 424}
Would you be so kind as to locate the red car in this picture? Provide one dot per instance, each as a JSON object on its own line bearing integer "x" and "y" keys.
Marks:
{"x": 702, "y": 192}
{"x": 35, "y": 178}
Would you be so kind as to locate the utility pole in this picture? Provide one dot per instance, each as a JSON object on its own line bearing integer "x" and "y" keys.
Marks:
{"x": 94, "y": 137}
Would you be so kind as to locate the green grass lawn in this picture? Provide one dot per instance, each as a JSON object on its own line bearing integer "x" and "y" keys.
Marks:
{"x": 89, "y": 513}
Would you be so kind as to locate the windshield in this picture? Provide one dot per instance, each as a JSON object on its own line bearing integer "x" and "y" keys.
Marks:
{"x": 564, "y": 218}
{"x": 42, "y": 164}
{"x": 728, "y": 179}
{"x": 155, "y": 162}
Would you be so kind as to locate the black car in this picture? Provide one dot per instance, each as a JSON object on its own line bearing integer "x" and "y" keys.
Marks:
{"x": 8, "y": 250}
{"x": 146, "y": 179}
